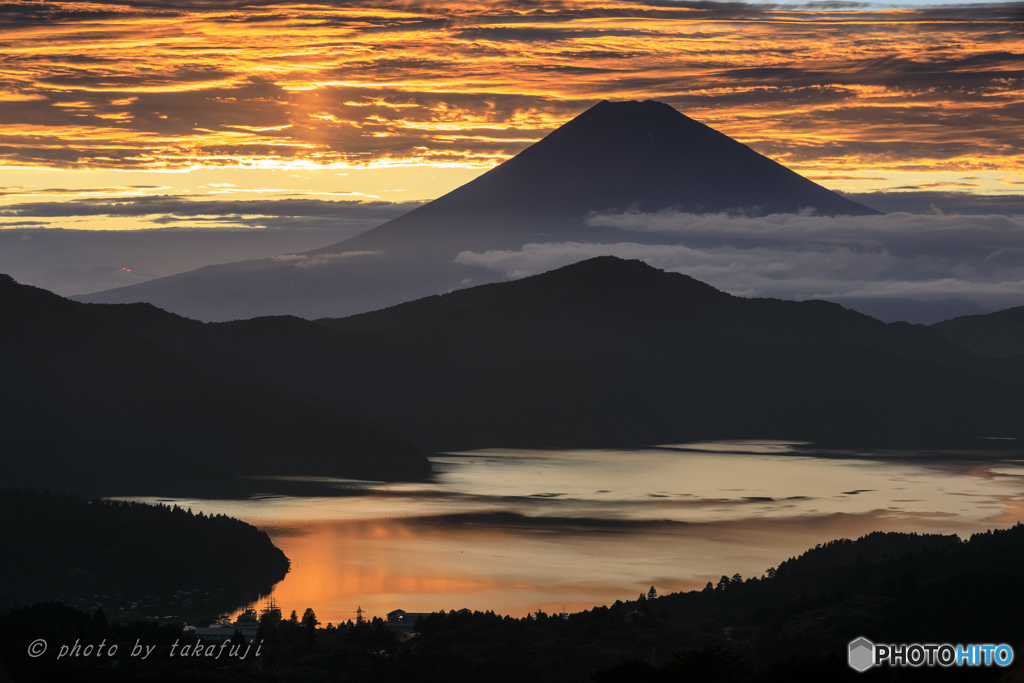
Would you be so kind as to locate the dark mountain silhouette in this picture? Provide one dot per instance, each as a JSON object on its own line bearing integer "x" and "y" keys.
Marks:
{"x": 613, "y": 157}
{"x": 89, "y": 407}
{"x": 994, "y": 334}
{"x": 609, "y": 352}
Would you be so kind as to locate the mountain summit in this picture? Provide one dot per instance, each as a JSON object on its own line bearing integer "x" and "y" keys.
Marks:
{"x": 616, "y": 156}
{"x": 631, "y": 155}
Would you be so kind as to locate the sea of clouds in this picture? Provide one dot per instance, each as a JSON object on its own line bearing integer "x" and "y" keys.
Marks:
{"x": 971, "y": 263}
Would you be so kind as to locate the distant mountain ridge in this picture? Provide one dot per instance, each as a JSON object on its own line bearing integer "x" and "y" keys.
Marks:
{"x": 608, "y": 353}
{"x": 615, "y": 156}
{"x": 995, "y": 334}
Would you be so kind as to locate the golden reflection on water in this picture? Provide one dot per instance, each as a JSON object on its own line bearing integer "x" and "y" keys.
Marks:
{"x": 515, "y": 531}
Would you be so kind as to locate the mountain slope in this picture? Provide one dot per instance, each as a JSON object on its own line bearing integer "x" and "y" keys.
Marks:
{"x": 995, "y": 334}
{"x": 91, "y": 407}
{"x": 612, "y": 157}
{"x": 609, "y": 353}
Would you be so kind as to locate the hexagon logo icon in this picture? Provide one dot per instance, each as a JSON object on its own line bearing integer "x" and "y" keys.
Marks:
{"x": 862, "y": 654}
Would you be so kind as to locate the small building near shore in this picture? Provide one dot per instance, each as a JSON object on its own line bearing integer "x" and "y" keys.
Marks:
{"x": 224, "y": 630}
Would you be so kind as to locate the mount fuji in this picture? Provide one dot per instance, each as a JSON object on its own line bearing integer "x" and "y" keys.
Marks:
{"x": 616, "y": 156}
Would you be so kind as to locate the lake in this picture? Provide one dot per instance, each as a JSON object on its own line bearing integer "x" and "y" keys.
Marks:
{"x": 515, "y": 531}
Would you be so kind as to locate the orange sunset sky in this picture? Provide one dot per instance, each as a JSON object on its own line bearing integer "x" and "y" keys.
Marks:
{"x": 402, "y": 101}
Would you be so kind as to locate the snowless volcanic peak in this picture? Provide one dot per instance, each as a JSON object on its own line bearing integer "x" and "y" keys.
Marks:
{"x": 645, "y": 156}
{"x": 650, "y": 155}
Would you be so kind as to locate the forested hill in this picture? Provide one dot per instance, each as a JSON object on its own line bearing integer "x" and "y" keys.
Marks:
{"x": 102, "y": 410}
{"x": 999, "y": 334}
{"x": 143, "y": 559}
{"x": 888, "y": 587}
{"x": 792, "y": 624}
{"x": 614, "y": 353}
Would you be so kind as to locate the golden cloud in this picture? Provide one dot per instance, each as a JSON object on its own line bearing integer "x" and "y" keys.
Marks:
{"x": 140, "y": 85}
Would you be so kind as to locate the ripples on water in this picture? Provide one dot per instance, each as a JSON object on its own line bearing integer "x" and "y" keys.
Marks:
{"x": 517, "y": 530}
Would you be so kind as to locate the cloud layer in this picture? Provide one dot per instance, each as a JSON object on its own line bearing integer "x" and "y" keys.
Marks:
{"x": 185, "y": 233}
{"x": 341, "y": 217}
{"x": 156, "y": 85}
{"x": 970, "y": 259}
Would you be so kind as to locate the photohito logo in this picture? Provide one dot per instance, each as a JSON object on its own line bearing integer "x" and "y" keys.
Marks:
{"x": 863, "y": 654}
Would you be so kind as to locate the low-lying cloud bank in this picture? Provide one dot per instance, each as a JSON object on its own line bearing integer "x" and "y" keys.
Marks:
{"x": 183, "y": 233}
{"x": 183, "y": 211}
{"x": 882, "y": 265}
{"x": 938, "y": 231}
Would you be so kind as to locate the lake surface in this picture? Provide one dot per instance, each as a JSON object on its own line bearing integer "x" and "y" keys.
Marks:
{"x": 519, "y": 530}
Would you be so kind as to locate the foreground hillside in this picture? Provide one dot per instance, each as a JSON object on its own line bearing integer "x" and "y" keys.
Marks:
{"x": 130, "y": 559}
{"x": 791, "y": 624}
